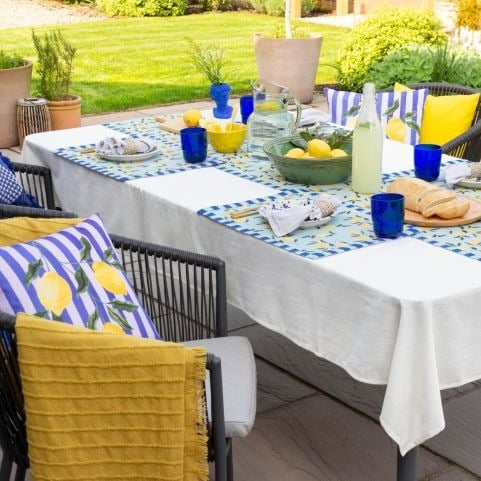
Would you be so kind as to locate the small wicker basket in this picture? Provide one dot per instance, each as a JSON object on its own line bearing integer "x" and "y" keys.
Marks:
{"x": 32, "y": 117}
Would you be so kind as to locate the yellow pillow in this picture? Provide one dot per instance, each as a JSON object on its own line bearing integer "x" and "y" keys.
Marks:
{"x": 25, "y": 229}
{"x": 445, "y": 117}
{"x": 401, "y": 88}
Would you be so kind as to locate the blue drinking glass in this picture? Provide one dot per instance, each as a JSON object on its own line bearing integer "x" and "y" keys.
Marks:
{"x": 194, "y": 144}
{"x": 427, "y": 161}
{"x": 387, "y": 211}
{"x": 246, "y": 107}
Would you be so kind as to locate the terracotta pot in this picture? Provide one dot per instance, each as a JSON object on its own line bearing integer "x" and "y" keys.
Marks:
{"x": 14, "y": 84}
{"x": 291, "y": 62}
{"x": 65, "y": 114}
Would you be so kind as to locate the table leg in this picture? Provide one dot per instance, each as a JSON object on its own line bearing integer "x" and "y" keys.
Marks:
{"x": 406, "y": 465}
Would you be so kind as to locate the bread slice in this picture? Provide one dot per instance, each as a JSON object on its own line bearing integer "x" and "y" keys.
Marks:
{"x": 432, "y": 202}
{"x": 439, "y": 206}
{"x": 412, "y": 189}
{"x": 460, "y": 209}
{"x": 425, "y": 198}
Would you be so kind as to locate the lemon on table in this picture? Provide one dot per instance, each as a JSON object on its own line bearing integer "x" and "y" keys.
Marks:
{"x": 318, "y": 148}
{"x": 307, "y": 155}
{"x": 54, "y": 292}
{"x": 338, "y": 153}
{"x": 191, "y": 117}
{"x": 295, "y": 153}
{"x": 396, "y": 129}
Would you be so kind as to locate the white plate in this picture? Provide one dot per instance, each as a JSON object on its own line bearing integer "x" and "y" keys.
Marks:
{"x": 129, "y": 158}
{"x": 470, "y": 183}
{"x": 316, "y": 223}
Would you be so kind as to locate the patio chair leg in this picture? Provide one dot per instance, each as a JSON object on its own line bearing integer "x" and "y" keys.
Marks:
{"x": 20, "y": 474}
{"x": 6, "y": 467}
{"x": 406, "y": 465}
{"x": 230, "y": 462}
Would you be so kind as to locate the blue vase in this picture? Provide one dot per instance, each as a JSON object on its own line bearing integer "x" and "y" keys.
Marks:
{"x": 220, "y": 95}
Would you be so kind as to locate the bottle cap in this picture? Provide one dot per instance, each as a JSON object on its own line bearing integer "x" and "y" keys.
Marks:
{"x": 369, "y": 89}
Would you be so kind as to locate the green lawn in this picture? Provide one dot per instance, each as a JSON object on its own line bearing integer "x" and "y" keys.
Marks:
{"x": 127, "y": 63}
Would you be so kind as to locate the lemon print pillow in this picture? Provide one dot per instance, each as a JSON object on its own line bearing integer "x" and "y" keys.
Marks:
{"x": 72, "y": 276}
{"x": 400, "y": 112}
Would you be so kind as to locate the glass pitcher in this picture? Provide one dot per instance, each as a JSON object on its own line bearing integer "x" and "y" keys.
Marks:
{"x": 270, "y": 118}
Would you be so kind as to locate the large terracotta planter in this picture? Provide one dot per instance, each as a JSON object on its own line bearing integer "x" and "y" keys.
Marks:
{"x": 14, "y": 85}
{"x": 290, "y": 62}
{"x": 65, "y": 114}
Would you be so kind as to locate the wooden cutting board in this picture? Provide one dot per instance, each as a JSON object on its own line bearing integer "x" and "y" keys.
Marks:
{"x": 473, "y": 215}
{"x": 170, "y": 125}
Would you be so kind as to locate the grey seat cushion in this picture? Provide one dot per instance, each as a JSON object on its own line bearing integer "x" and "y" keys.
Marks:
{"x": 239, "y": 380}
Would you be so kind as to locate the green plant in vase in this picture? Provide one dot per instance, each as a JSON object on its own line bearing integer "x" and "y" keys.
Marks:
{"x": 209, "y": 61}
{"x": 55, "y": 67}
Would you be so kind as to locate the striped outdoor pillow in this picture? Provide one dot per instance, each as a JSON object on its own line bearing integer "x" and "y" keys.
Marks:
{"x": 406, "y": 106}
{"x": 73, "y": 276}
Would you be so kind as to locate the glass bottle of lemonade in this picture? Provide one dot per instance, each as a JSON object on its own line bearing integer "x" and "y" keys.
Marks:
{"x": 367, "y": 146}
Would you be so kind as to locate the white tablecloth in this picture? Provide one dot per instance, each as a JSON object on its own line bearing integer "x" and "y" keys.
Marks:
{"x": 402, "y": 313}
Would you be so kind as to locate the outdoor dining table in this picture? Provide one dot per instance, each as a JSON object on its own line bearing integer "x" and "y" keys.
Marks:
{"x": 402, "y": 313}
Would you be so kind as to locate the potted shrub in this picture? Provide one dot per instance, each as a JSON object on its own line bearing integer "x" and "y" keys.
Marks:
{"x": 289, "y": 57}
{"x": 15, "y": 78}
{"x": 209, "y": 61}
{"x": 54, "y": 67}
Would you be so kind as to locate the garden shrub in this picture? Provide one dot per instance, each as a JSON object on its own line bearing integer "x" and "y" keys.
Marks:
{"x": 276, "y": 7}
{"x": 428, "y": 64}
{"x": 469, "y": 14}
{"x": 222, "y": 5}
{"x": 143, "y": 8}
{"x": 383, "y": 32}
{"x": 11, "y": 61}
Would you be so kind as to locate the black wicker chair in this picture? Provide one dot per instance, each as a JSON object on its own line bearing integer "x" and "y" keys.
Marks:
{"x": 13, "y": 439}
{"x": 185, "y": 295}
{"x": 467, "y": 145}
{"x": 37, "y": 181}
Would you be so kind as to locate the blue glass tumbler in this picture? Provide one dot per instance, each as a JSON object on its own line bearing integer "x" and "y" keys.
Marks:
{"x": 387, "y": 211}
{"x": 246, "y": 107}
{"x": 194, "y": 144}
{"x": 427, "y": 161}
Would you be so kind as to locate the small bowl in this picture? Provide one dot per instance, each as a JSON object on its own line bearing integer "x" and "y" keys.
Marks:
{"x": 227, "y": 142}
{"x": 306, "y": 170}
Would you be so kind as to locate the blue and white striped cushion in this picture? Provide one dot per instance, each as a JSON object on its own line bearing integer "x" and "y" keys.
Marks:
{"x": 340, "y": 102}
{"x": 64, "y": 253}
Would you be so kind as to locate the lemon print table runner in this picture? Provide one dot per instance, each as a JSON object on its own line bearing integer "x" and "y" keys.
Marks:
{"x": 169, "y": 159}
{"x": 349, "y": 229}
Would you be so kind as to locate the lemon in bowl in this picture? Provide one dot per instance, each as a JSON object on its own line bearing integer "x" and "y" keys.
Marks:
{"x": 316, "y": 164}
{"x": 227, "y": 139}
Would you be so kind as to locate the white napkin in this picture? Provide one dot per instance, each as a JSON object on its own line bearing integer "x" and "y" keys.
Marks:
{"x": 456, "y": 173}
{"x": 311, "y": 116}
{"x": 287, "y": 220}
{"x": 286, "y": 216}
{"x": 127, "y": 146}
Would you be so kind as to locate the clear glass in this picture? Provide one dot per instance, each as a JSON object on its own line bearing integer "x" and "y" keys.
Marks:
{"x": 367, "y": 146}
{"x": 270, "y": 118}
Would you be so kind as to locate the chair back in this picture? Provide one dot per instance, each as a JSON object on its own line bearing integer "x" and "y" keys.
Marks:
{"x": 442, "y": 88}
{"x": 13, "y": 437}
{"x": 37, "y": 181}
{"x": 183, "y": 292}
{"x": 467, "y": 145}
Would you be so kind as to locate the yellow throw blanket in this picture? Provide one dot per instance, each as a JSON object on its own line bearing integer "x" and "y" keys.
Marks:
{"x": 25, "y": 229}
{"x": 105, "y": 406}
